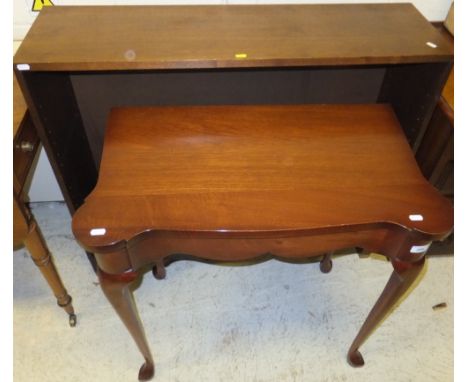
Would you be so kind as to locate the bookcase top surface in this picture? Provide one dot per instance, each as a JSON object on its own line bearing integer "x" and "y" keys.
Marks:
{"x": 81, "y": 38}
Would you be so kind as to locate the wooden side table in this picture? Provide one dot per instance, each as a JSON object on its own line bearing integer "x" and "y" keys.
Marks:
{"x": 234, "y": 183}
{"x": 25, "y": 228}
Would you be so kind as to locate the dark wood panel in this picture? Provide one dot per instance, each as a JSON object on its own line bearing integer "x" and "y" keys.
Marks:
{"x": 25, "y": 149}
{"x": 443, "y": 176}
{"x": 19, "y": 106}
{"x": 97, "y": 92}
{"x": 413, "y": 91}
{"x": 438, "y": 137}
{"x": 151, "y": 37}
{"x": 55, "y": 114}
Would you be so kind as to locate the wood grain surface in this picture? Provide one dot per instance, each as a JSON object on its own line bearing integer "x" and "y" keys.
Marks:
{"x": 449, "y": 89}
{"x": 20, "y": 223}
{"x": 19, "y": 106}
{"x": 251, "y": 169}
{"x": 156, "y": 37}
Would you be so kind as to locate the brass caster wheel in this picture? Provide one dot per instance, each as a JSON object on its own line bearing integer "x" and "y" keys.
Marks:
{"x": 72, "y": 320}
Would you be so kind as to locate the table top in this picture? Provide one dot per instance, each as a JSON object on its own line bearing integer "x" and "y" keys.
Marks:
{"x": 231, "y": 169}
{"x": 161, "y": 37}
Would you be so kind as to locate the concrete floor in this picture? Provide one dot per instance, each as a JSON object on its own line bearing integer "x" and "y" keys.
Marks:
{"x": 269, "y": 322}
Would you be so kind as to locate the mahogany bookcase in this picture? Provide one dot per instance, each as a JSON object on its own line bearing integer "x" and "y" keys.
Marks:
{"x": 78, "y": 62}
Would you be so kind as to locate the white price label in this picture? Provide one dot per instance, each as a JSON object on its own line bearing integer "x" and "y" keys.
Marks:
{"x": 97, "y": 232}
{"x": 420, "y": 248}
{"x": 23, "y": 67}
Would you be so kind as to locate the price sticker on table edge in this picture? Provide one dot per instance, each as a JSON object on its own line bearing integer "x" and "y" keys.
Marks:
{"x": 97, "y": 232}
{"x": 420, "y": 248}
{"x": 416, "y": 218}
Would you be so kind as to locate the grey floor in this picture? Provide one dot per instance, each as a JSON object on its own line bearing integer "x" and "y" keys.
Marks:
{"x": 269, "y": 322}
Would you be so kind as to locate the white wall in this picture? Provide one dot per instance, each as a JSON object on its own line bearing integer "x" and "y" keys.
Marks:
{"x": 44, "y": 187}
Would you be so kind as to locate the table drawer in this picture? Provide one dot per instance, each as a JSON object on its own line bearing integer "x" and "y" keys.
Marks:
{"x": 25, "y": 147}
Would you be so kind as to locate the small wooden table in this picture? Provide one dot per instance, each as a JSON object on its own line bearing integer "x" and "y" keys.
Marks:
{"x": 234, "y": 183}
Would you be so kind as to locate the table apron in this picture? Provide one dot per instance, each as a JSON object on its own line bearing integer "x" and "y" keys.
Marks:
{"x": 155, "y": 247}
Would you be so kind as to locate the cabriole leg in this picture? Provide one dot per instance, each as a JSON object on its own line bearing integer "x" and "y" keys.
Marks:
{"x": 116, "y": 288}
{"x": 401, "y": 279}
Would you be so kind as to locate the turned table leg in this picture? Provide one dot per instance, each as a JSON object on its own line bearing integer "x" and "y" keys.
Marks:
{"x": 401, "y": 279}
{"x": 40, "y": 254}
{"x": 116, "y": 288}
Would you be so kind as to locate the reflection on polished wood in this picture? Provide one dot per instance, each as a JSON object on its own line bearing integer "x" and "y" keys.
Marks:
{"x": 234, "y": 183}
